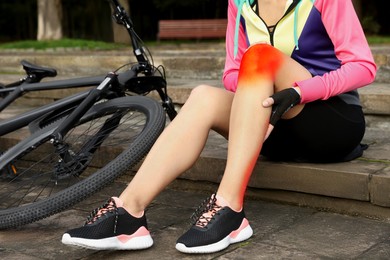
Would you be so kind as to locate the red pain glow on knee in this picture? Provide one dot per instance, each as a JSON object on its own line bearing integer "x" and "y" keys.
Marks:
{"x": 259, "y": 61}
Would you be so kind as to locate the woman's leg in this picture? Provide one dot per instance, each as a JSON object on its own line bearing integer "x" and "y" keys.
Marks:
{"x": 264, "y": 70}
{"x": 179, "y": 146}
{"x": 111, "y": 227}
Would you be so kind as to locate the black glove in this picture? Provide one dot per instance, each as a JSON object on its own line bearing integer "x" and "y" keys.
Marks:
{"x": 283, "y": 101}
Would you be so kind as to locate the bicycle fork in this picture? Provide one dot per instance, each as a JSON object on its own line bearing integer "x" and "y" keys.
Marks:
{"x": 70, "y": 162}
{"x": 167, "y": 104}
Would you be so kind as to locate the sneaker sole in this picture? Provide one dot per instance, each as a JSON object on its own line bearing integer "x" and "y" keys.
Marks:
{"x": 122, "y": 242}
{"x": 242, "y": 233}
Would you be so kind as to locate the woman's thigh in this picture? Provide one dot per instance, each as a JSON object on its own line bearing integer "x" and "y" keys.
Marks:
{"x": 210, "y": 105}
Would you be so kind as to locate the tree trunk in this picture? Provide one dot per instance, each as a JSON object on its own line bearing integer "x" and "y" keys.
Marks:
{"x": 49, "y": 20}
{"x": 120, "y": 33}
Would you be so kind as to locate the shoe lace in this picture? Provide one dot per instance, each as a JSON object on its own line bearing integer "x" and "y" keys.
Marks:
{"x": 109, "y": 206}
{"x": 205, "y": 212}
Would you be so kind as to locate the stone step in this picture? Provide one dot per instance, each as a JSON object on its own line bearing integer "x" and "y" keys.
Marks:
{"x": 204, "y": 67}
{"x": 186, "y": 66}
{"x": 375, "y": 98}
{"x": 382, "y": 59}
{"x": 364, "y": 180}
{"x": 185, "y": 62}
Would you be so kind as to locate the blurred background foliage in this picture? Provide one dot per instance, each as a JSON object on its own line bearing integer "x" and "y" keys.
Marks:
{"x": 91, "y": 19}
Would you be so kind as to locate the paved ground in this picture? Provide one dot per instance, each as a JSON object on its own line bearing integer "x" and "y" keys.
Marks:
{"x": 280, "y": 232}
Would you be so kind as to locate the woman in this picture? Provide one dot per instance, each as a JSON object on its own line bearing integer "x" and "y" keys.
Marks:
{"x": 292, "y": 70}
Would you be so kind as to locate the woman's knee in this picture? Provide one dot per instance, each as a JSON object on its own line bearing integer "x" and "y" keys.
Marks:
{"x": 261, "y": 59}
{"x": 202, "y": 96}
{"x": 213, "y": 104}
{"x": 200, "y": 91}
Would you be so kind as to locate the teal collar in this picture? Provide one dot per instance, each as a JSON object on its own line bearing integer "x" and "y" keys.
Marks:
{"x": 240, "y": 4}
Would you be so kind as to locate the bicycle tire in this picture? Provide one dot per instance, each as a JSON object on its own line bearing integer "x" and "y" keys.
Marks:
{"x": 149, "y": 118}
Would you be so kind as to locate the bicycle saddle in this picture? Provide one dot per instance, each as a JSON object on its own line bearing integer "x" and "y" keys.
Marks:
{"x": 36, "y": 73}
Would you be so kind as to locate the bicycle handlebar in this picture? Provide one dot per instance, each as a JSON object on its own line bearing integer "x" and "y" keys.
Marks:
{"x": 121, "y": 17}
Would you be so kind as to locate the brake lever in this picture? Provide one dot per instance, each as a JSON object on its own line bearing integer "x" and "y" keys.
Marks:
{"x": 143, "y": 67}
{"x": 119, "y": 14}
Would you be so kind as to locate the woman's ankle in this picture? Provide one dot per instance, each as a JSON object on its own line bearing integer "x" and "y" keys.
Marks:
{"x": 221, "y": 201}
{"x": 129, "y": 207}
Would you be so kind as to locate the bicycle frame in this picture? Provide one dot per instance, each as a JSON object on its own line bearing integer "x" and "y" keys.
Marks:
{"x": 56, "y": 165}
{"x": 21, "y": 120}
{"x": 138, "y": 85}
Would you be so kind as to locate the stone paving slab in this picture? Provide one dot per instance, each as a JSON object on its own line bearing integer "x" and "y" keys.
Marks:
{"x": 333, "y": 236}
{"x": 280, "y": 231}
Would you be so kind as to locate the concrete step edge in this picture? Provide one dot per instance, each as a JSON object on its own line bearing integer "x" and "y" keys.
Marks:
{"x": 176, "y": 62}
{"x": 375, "y": 98}
{"x": 356, "y": 180}
{"x": 365, "y": 179}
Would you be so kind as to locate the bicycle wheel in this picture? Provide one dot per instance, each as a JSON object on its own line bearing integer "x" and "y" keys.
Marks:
{"x": 110, "y": 139}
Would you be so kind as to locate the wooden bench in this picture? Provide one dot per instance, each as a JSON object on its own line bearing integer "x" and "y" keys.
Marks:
{"x": 192, "y": 29}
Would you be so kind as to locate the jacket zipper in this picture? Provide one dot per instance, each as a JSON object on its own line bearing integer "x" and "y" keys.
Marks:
{"x": 271, "y": 33}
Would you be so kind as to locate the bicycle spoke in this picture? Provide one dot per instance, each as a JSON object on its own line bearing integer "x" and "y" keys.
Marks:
{"x": 39, "y": 179}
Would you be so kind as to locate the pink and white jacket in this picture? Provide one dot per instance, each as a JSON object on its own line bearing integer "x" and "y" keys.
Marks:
{"x": 325, "y": 36}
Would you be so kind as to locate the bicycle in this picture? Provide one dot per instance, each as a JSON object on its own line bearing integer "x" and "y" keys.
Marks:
{"x": 80, "y": 143}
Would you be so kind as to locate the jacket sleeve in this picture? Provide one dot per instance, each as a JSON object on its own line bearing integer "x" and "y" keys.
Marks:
{"x": 357, "y": 68}
{"x": 232, "y": 64}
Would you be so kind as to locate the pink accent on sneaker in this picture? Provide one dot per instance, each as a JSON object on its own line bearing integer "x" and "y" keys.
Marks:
{"x": 142, "y": 231}
{"x": 243, "y": 225}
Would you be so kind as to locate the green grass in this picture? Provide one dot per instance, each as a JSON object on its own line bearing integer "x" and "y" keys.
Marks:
{"x": 64, "y": 43}
{"x": 378, "y": 39}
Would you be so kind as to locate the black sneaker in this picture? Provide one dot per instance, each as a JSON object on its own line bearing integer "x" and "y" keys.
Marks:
{"x": 111, "y": 227}
{"x": 214, "y": 229}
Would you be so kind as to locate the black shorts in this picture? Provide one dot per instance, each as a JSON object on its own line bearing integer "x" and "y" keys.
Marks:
{"x": 325, "y": 131}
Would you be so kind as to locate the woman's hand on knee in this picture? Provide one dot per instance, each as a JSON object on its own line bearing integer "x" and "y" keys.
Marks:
{"x": 282, "y": 102}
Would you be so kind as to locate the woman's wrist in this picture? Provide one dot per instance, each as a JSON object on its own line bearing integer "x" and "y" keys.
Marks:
{"x": 298, "y": 90}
